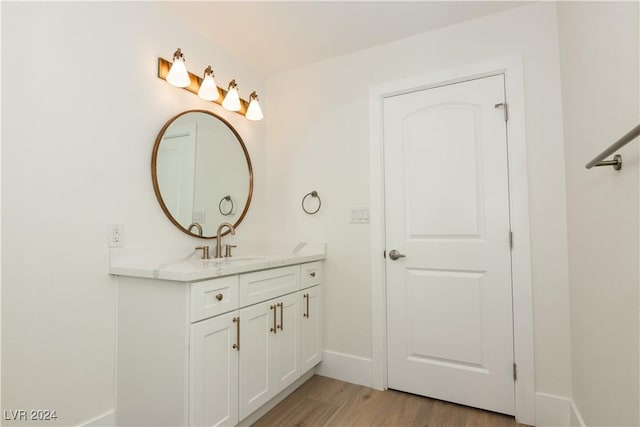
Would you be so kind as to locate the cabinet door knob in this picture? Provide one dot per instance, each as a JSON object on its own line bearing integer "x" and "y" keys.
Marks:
{"x": 313, "y": 274}
{"x": 219, "y": 297}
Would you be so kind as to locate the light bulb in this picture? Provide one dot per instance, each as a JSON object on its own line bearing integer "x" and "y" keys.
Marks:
{"x": 208, "y": 89}
{"x": 254, "y": 112}
{"x": 232, "y": 100}
{"x": 178, "y": 75}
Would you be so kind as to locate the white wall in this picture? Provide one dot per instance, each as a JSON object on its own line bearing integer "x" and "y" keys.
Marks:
{"x": 0, "y": 221}
{"x": 85, "y": 163}
{"x": 81, "y": 109}
{"x": 599, "y": 47}
{"x": 319, "y": 141}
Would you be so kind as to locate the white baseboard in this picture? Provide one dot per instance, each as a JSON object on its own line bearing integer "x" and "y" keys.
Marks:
{"x": 345, "y": 367}
{"x": 576, "y": 417}
{"x": 105, "y": 420}
{"x": 552, "y": 410}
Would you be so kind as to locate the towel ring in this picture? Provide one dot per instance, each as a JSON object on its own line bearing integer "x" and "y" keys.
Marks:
{"x": 227, "y": 198}
{"x": 312, "y": 194}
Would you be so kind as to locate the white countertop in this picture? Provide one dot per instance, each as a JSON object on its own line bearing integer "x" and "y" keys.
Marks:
{"x": 154, "y": 264}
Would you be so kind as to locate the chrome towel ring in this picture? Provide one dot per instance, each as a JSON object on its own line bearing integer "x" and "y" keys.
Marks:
{"x": 313, "y": 194}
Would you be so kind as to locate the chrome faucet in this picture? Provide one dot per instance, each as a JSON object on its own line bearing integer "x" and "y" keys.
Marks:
{"x": 197, "y": 226}
{"x": 218, "y": 253}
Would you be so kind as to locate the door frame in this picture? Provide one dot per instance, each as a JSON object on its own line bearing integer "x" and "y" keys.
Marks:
{"x": 523, "y": 339}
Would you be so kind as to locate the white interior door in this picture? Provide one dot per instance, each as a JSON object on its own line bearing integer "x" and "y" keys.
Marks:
{"x": 177, "y": 161}
{"x": 449, "y": 307}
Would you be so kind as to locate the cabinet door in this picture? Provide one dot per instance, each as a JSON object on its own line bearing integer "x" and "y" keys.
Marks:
{"x": 310, "y": 328}
{"x": 285, "y": 357}
{"x": 214, "y": 372}
{"x": 255, "y": 356}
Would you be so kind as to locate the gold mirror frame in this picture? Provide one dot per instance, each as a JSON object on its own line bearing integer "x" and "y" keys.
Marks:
{"x": 154, "y": 172}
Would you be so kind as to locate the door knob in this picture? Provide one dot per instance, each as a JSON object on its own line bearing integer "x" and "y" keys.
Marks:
{"x": 394, "y": 255}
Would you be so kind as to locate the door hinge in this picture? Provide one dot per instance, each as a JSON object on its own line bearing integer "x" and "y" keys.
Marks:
{"x": 515, "y": 372}
{"x": 505, "y": 109}
{"x": 510, "y": 239}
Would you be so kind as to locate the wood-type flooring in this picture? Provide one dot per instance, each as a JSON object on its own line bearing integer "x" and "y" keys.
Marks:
{"x": 323, "y": 401}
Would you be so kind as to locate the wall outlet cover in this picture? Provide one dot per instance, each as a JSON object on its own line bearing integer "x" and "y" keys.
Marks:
{"x": 115, "y": 235}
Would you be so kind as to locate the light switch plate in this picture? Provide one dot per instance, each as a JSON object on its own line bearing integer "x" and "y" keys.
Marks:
{"x": 200, "y": 217}
{"x": 359, "y": 215}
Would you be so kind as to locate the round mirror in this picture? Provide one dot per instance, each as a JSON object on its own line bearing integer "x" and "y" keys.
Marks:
{"x": 201, "y": 173}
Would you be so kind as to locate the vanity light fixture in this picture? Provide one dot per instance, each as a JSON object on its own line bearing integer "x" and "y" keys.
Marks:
{"x": 178, "y": 75}
{"x": 254, "y": 112}
{"x": 232, "y": 100}
{"x": 208, "y": 88}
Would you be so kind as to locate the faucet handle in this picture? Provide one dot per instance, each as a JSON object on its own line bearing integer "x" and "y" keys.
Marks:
{"x": 205, "y": 251}
{"x": 227, "y": 250}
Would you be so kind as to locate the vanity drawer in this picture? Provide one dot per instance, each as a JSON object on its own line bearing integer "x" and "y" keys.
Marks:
{"x": 263, "y": 285}
{"x": 213, "y": 297}
{"x": 311, "y": 274}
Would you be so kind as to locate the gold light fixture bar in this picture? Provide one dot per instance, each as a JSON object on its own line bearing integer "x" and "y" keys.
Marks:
{"x": 163, "y": 69}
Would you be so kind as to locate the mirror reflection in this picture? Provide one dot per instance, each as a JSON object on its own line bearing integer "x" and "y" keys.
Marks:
{"x": 201, "y": 172}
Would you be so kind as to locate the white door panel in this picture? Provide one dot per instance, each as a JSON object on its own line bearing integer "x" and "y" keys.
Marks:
{"x": 256, "y": 388}
{"x": 450, "y": 159}
{"x": 449, "y": 308}
{"x": 426, "y": 315}
{"x": 286, "y": 342}
{"x": 310, "y": 328}
{"x": 177, "y": 160}
{"x": 214, "y": 372}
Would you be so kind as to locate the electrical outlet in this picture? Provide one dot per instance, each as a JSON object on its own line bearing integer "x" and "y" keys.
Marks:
{"x": 115, "y": 235}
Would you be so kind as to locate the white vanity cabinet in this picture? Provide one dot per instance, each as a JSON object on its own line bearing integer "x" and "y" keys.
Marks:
{"x": 213, "y": 371}
{"x": 213, "y": 352}
{"x": 271, "y": 335}
{"x": 310, "y": 328}
{"x": 311, "y": 320}
{"x": 271, "y": 338}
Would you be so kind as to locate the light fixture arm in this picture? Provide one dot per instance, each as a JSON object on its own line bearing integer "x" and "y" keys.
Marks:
{"x": 163, "y": 70}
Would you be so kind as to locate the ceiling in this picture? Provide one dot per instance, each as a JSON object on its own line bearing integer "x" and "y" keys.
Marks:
{"x": 276, "y": 36}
